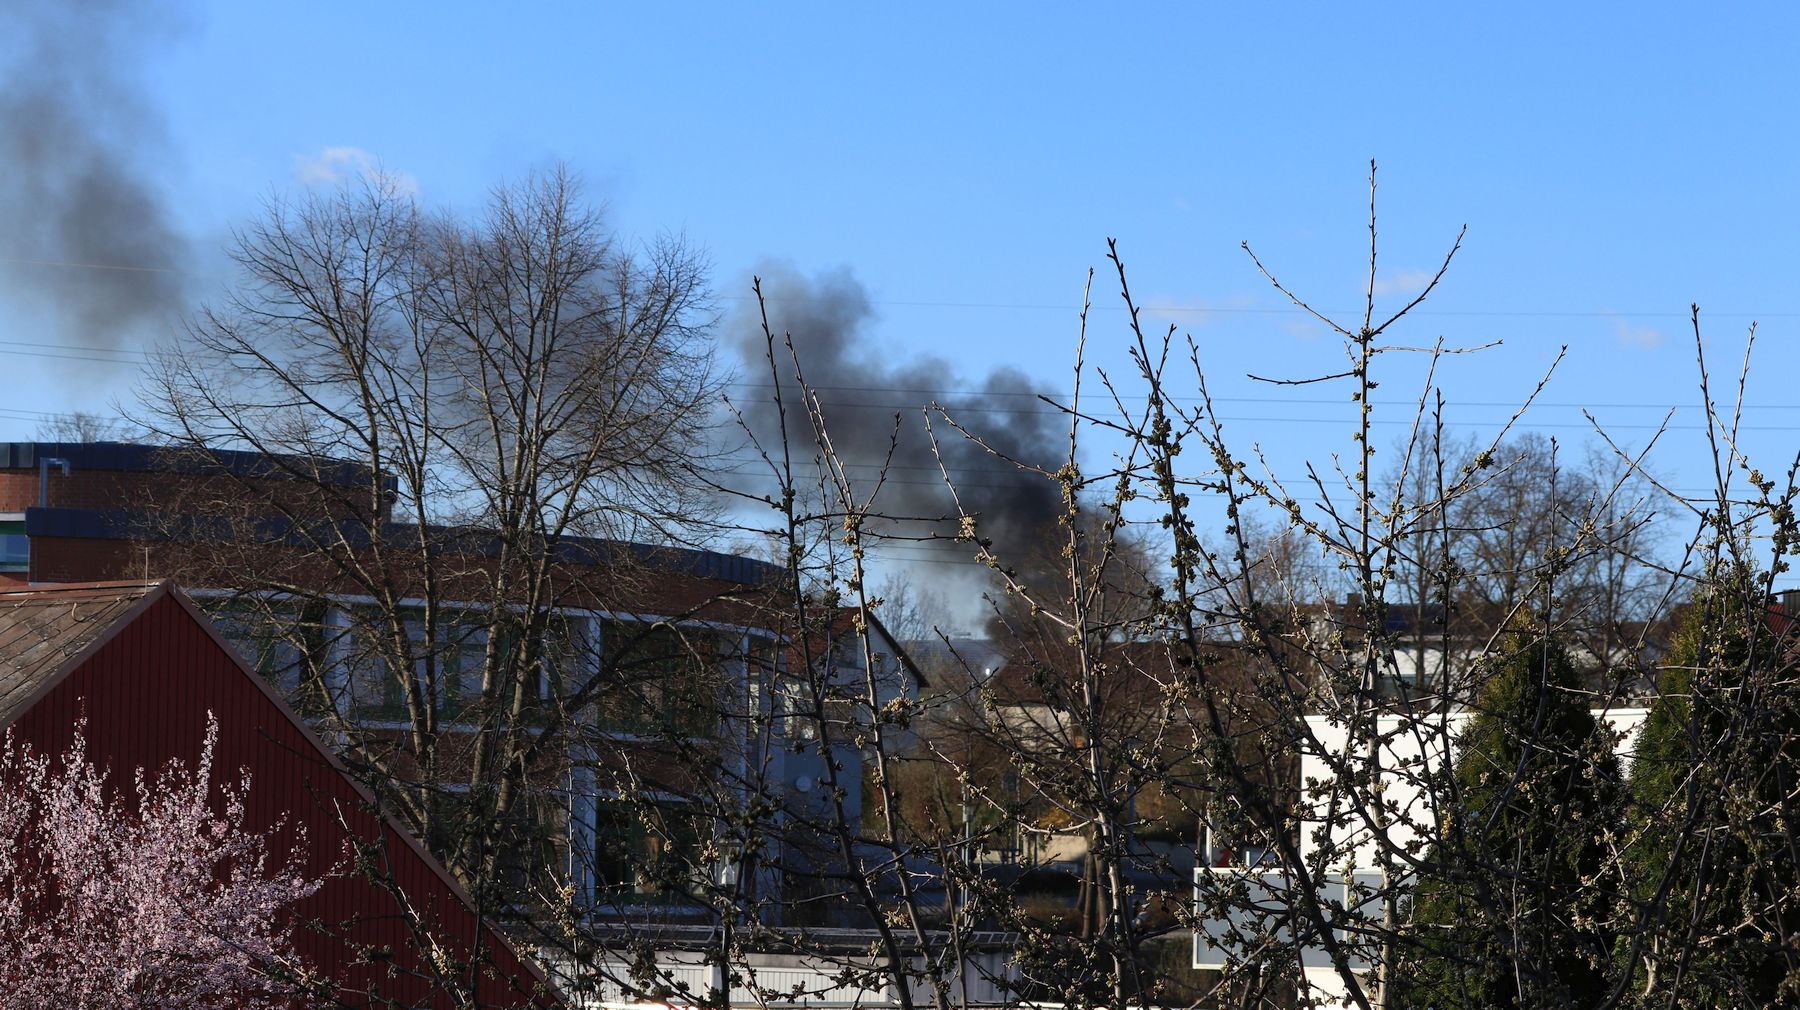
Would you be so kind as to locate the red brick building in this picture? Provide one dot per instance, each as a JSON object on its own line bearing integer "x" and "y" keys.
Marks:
{"x": 72, "y": 512}
{"x": 221, "y": 522}
{"x": 218, "y": 522}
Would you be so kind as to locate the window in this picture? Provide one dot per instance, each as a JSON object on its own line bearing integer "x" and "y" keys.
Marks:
{"x": 527, "y": 847}
{"x": 1411, "y": 672}
{"x": 561, "y": 657}
{"x": 15, "y": 546}
{"x": 450, "y": 668}
{"x": 270, "y": 635}
{"x": 454, "y": 665}
{"x": 460, "y": 655}
{"x": 646, "y": 852}
{"x": 375, "y": 692}
{"x": 794, "y": 705}
{"x": 665, "y": 680}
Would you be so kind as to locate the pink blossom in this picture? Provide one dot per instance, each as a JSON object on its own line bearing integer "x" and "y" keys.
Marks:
{"x": 168, "y": 902}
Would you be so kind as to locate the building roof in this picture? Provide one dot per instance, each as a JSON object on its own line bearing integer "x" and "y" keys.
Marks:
{"x": 131, "y": 457}
{"x": 133, "y": 519}
{"x": 46, "y": 631}
{"x": 840, "y": 629}
{"x": 49, "y": 634}
{"x": 958, "y": 659}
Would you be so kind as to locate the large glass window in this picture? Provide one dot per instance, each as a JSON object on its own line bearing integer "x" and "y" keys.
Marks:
{"x": 646, "y": 852}
{"x": 460, "y": 655}
{"x": 270, "y": 635}
{"x": 455, "y": 663}
{"x": 662, "y": 680}
{"x": 15, "y": 546}
{"x": 449, "y": 667}
{"x": 563, "y": 654}
{"x": 376, "y": 692}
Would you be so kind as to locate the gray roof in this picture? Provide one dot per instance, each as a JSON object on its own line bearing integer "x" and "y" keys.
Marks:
{"x": 974, "y": 658}
{"x": 45, "y": 630}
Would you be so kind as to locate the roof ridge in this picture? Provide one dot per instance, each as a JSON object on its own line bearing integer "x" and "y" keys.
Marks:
{"x": 52, "y": 588}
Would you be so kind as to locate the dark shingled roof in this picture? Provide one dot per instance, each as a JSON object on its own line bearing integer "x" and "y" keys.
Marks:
{"x": 45, "y": 631}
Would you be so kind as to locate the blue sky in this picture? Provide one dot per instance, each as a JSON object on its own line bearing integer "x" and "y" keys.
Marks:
{"x": 968, "y": 162}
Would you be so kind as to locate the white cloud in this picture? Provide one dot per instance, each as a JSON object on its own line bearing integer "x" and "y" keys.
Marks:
{"x": 1640, "y": 337}
{"x": 1189, "y": 313}
{"x": 335, "y": 164}
{"x": 1305, "y": 327}
{"x": 1406, "y": 282}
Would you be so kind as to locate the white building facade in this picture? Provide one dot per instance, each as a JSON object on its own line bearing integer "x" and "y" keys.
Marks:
{"x": 1339, "y": 827}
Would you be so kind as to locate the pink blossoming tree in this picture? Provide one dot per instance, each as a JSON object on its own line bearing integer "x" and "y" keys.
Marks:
{"x": 166, "y": 902}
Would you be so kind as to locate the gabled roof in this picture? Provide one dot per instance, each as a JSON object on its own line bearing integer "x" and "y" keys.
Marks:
{"x": 47, "y": 631}
{"x": 845, "y": 624}
{"x": 837, "y": 627}
{"x": 1132, "y": 673}
{"x": 960, "y": 659}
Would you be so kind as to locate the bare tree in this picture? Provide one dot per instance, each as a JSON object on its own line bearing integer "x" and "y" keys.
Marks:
{"x": 1464, "y": 572}
{"x": 1331, "y": 784}
{"x": 82, "y": 426}
{"x": 1238, "y": 694}
{"x": 463, "y": 427}
{"x": 513, "y": 394}
{"x": 1154, "y": 699}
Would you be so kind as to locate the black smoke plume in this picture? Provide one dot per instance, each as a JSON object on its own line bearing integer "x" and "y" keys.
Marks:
{"x": 863, "y": 385}
{"x": 83, "y": 230}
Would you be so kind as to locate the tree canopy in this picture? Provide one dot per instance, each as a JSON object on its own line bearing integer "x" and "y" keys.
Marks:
{"x": 1714, "y": 791}
{"x": 1513, "y": 909}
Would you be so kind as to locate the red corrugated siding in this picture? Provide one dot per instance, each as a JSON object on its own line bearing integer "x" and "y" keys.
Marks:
{"x": 146, "y": 695}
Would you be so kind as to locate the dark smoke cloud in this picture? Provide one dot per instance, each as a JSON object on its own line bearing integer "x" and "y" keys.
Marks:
{"x": 864, "y": 384}
{"x": 75, "y": 140}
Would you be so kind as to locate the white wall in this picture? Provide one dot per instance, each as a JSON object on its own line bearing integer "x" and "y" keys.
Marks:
{"x": 1410, "y": 748}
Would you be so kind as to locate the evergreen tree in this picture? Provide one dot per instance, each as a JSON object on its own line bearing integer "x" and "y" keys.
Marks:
{"x": 1513, "y": 909}
{"x": 1713, "y": 860}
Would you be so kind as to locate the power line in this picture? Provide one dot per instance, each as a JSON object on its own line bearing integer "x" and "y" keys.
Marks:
{"x": 1195, "y": 310}
{"x": 1460, "y": 423}
{"x": 135, "y": 356}
{"x": 1185, "y": 310}
{"x": 73, "y": 347}
{"x": 23, "y": 261}
{"x": 1194, "y": 398}
{"x": 75, "y": 357}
